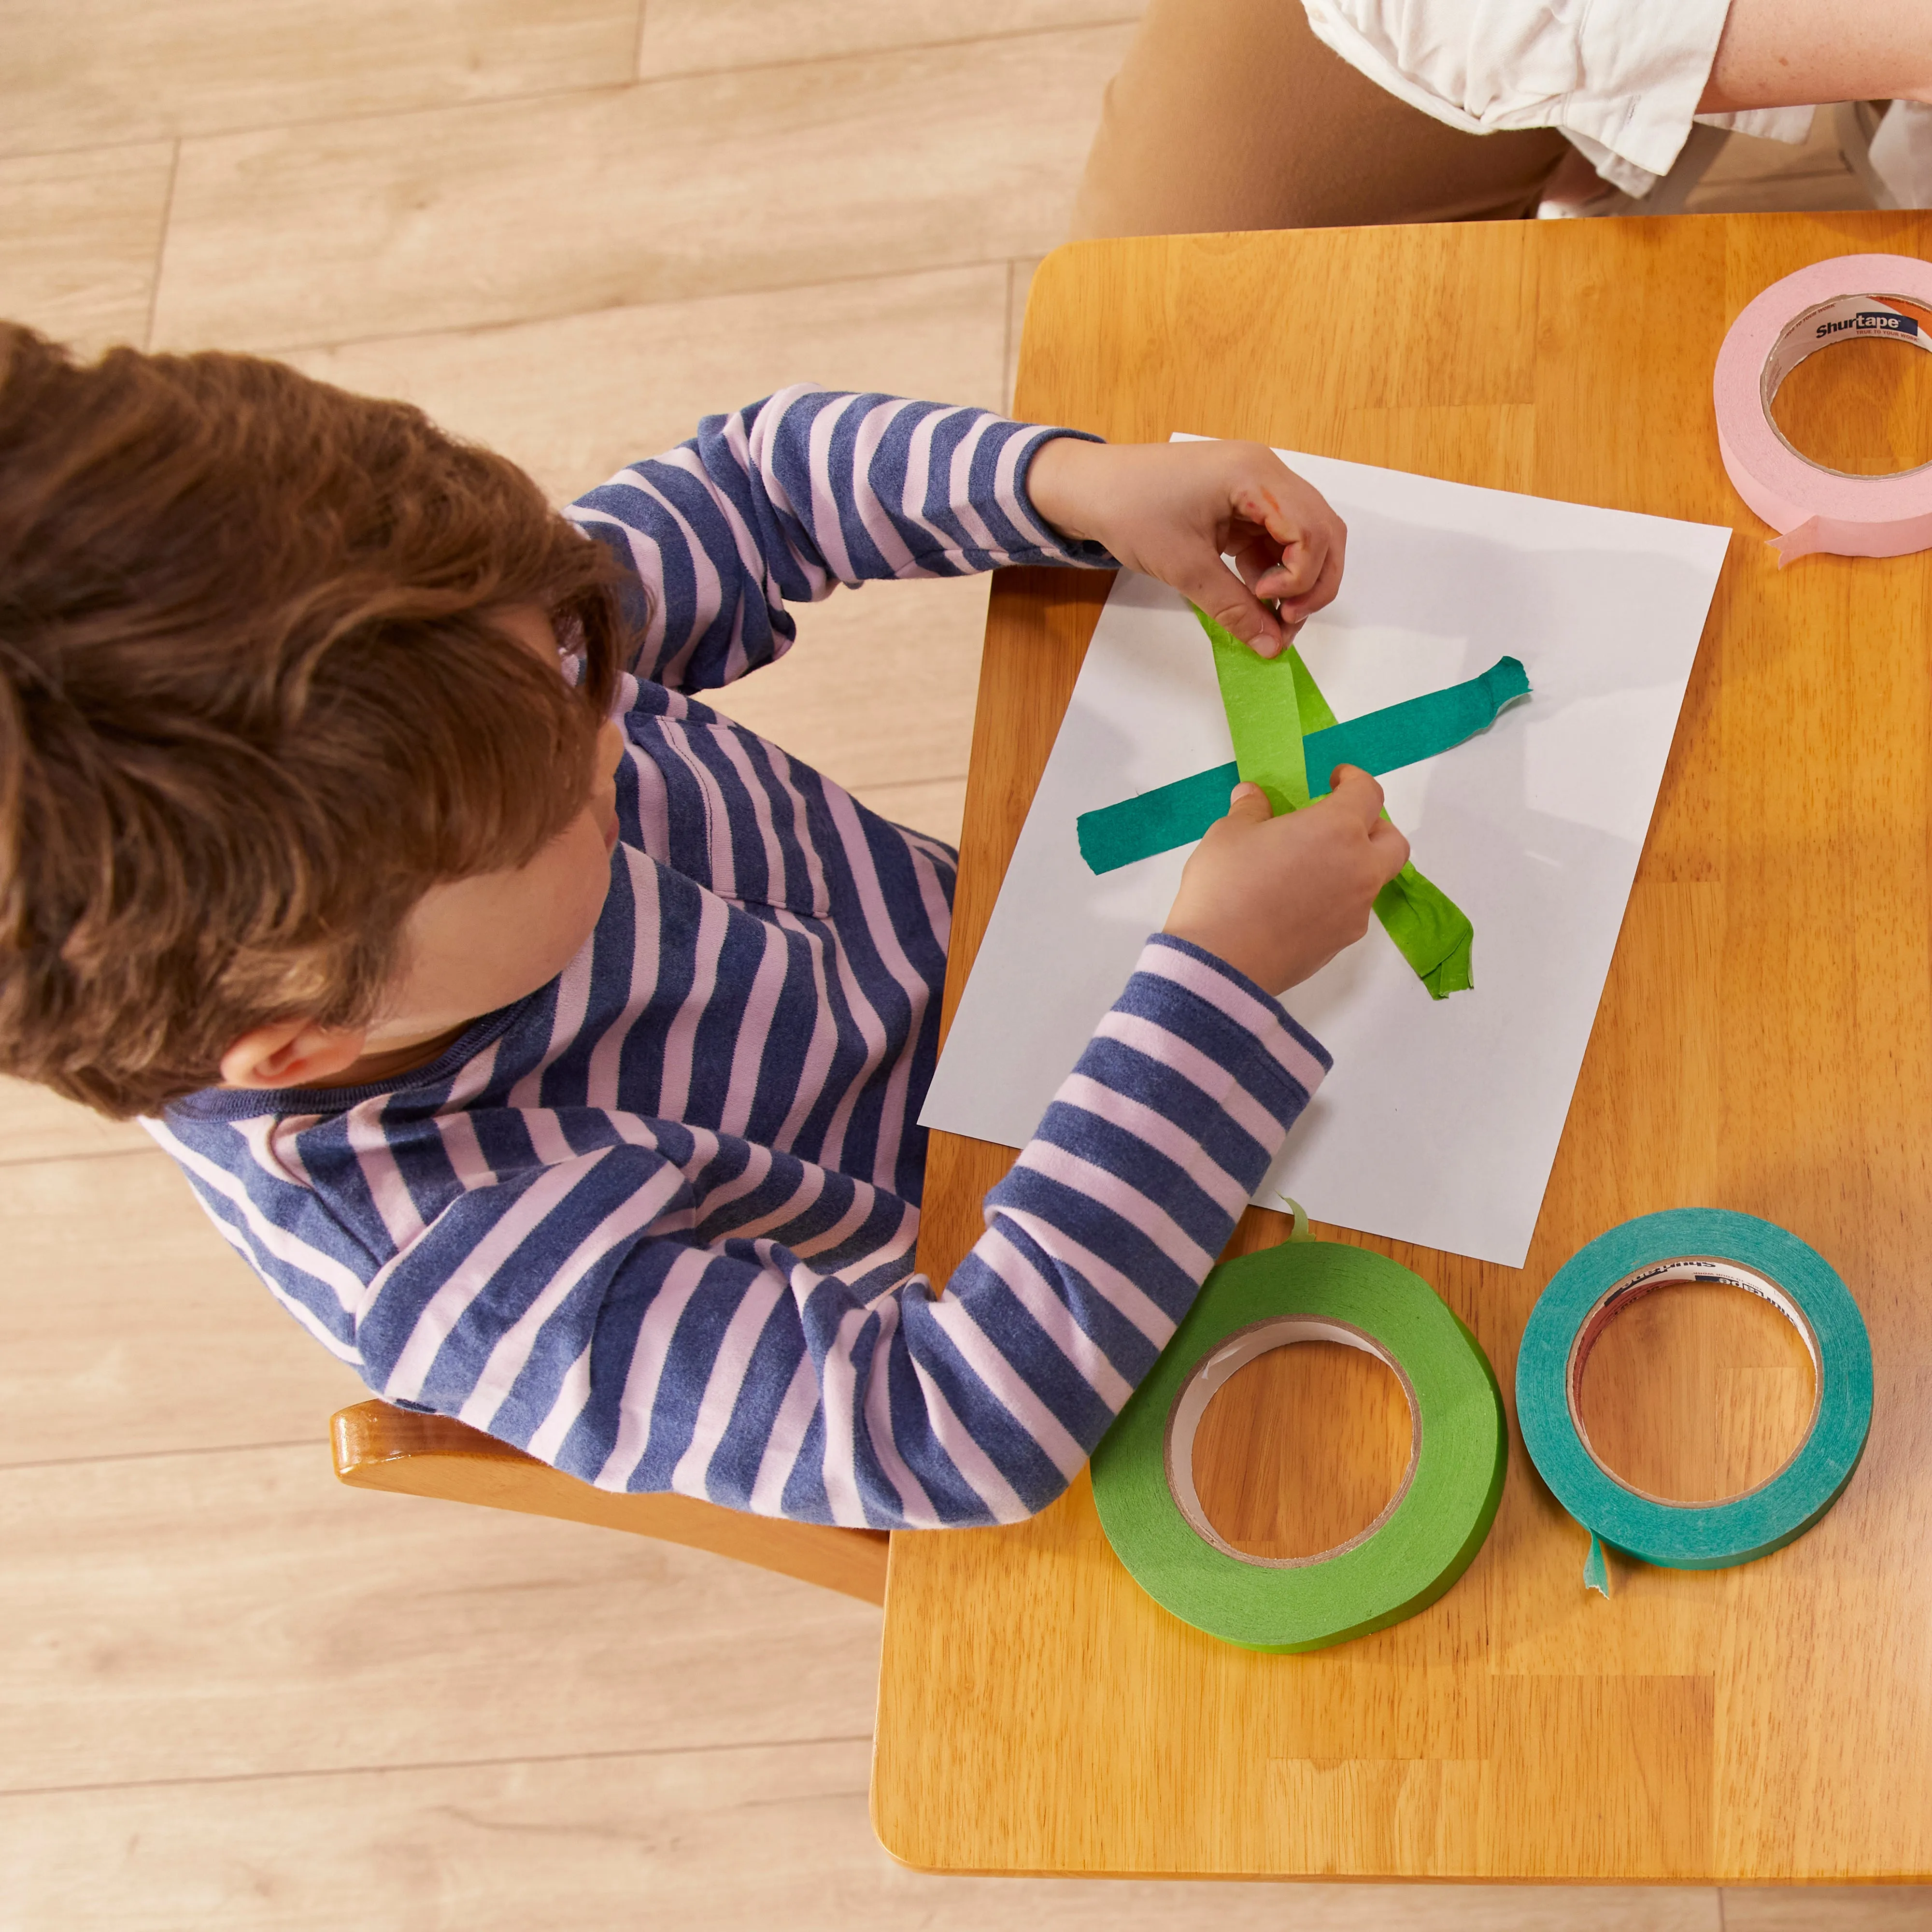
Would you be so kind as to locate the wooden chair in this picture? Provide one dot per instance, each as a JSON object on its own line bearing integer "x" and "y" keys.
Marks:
{"x": 380, "y": 1447}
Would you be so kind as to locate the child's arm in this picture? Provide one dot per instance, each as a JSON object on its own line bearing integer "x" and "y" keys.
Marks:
{"x": 782, "y": 501}
{"x": 779, "y": 503}
{"x": 621, "y": 1311}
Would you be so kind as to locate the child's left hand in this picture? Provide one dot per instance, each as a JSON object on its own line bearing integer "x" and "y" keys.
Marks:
{"x": 1173, "y": 510}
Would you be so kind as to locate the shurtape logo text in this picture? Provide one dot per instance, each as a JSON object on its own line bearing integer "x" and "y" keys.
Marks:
{"x": 1873, "y": 319}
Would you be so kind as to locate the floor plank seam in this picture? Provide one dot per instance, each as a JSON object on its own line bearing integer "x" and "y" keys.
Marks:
{"x": 351, "y": 117}
{"x": 885, "y": 52}
{"x": 346, "y": 118}
{"x": 478, "y": 328}
{"x": 436, "y": 1764}
{"x": 1006, "y": 342}
{"x": 908, "y": 785}
{"x": 9, "y": 157}
{"x": 161, "y": 243}
{"x": 318, "y": 1442}
{"x": 11, "y": 1161}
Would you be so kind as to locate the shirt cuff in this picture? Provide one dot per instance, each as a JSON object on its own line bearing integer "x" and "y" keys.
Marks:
{"x": 1083, "y": 555}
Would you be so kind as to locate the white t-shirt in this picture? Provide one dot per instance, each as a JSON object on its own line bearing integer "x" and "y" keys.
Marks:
{"x": 1620, "y": 79}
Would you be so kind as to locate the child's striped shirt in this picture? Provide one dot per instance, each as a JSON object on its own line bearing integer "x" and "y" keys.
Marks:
{"x": 655, "y": 1223}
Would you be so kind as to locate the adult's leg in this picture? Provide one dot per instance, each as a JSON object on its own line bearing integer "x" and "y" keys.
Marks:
{"x": 1230, "y": 114}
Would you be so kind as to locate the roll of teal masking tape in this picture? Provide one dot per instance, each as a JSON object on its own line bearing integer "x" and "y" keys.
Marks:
{"x": 1307, "y": 1291}
{"x": 1693, "y": 1244}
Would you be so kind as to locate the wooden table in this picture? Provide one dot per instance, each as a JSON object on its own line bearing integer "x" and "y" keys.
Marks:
{"x": 1764, "y": 1043}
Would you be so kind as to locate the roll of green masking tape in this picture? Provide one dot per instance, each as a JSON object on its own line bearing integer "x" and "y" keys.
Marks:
{"x": 1693, "y": 1244}
{"x": 1307, "y": 1291}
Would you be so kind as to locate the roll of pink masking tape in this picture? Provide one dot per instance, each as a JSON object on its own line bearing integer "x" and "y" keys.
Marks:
{"x": 1812, "y": 508}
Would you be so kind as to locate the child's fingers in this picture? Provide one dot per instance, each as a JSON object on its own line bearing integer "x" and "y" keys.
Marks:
{"x": 1257, "y": 556}
{"x": 1298, "y": 610}
{"x": 1359, "y": 794}
{"x": 1258, "y": 560}
{"x": 1249, "y": 803}
{"x": 1299, "y": 562}
{"x": 1355, "y": 792}
{"x": 1387, "y": 841}
{"x": 1219, "y": 591}
{"x": 1305, "y": 539}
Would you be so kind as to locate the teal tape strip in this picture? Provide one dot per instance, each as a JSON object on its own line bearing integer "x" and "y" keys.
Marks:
{"x": 1422, "y": 727}
{"x": 1596, "y": 1568}
{"x": 1693, "y": 1244}
{"x": 1155, "y": 821}
{"x": 1380, "y": 741}
{"x": 1307, "y": 1290}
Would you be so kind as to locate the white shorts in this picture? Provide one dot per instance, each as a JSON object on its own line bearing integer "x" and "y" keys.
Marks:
{"x": 1620, "y": 79}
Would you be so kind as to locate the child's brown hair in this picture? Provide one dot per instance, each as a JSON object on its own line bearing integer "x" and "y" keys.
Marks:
{"x": 254, "y": 702}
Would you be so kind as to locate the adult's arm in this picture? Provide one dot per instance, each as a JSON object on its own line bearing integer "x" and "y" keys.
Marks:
{"x": 1624, "y": 80}
{"x": 1786, "y": 53}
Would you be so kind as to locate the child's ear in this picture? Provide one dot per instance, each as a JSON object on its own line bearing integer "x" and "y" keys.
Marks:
{"x": 291, "y": 1053}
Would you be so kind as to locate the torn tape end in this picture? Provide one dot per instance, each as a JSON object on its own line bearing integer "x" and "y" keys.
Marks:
{"x": 1596, "y": 1568}
{"x": 1800, "y": 540}
{"x": 1301, "y": 1231}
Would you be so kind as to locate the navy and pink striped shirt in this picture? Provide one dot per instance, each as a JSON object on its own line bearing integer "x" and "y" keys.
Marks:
{"x": 655, "y": 1223}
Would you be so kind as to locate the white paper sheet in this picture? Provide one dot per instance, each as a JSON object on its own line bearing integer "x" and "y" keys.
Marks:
{"x": 1441, "y": 1120}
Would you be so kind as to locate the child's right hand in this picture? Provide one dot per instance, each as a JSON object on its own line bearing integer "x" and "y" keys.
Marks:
{"x": 1277, "y": 898}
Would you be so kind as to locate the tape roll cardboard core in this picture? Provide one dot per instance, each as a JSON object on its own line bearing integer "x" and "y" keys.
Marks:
{"x": 1688, "y": 1270}
{"x": 1834, "y": 325}
{"x": 1248, "y": 1344}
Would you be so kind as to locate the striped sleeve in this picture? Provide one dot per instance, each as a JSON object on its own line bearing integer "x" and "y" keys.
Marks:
{"x": 614, "y": 1320}
{"x": 783, "y": 501}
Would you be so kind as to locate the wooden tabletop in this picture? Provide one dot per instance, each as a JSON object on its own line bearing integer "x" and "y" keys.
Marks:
{"x": 1764, "y": 1043}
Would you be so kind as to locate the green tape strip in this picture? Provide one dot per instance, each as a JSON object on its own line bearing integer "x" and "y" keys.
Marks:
{"x": 1263, "y": 704}
{"x": 1694, "y": 1243}
{"x": 1429, "y": 929}
{"x": 1307, "y": 1290}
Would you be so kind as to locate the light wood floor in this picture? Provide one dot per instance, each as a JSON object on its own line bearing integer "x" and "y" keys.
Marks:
{"x": 232, "y": 1694}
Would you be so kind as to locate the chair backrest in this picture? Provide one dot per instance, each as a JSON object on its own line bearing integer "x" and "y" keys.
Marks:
{"x": 378, "y": 1447}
